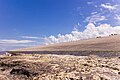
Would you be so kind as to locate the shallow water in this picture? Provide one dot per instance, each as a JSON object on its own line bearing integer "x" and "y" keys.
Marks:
{"x": 2, "y": 52}
{"x": 75, "y": 53}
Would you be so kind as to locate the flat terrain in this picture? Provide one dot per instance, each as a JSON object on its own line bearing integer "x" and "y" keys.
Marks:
{"x": 58, "y": 67}
{"x": 110, "y": 43}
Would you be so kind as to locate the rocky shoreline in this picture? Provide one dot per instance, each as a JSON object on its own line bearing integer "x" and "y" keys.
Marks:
{"x": 58, "y": 67}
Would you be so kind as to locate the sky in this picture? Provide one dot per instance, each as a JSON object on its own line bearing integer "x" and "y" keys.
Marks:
{"x": 26, "y": 23}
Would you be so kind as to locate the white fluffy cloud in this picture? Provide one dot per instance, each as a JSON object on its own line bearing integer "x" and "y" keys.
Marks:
{"x": 91, "y": 31}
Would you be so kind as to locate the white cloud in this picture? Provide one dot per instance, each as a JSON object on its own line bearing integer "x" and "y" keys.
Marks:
{"x": 109, "y": 6}
{"x": 117, "y": 17}
{"x": 90, "y": 2}
{"x": 91, "y": 31}
{"x": 10, "y": 44}
{"x": 30, "y": 37}
{"x": 15, "y": 41}
{"x": 94, "y": 13}
{"x": 95, "y": 17}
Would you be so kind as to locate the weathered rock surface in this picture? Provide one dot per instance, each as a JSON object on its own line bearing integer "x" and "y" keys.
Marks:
{"x": 58, "y": 67}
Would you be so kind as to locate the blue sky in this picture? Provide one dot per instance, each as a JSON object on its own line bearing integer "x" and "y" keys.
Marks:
{"x": 26, "y": 23}
{"x": 36, "y": 17}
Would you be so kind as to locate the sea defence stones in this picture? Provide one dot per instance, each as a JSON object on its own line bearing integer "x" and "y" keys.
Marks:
{"x": 58, "y": 67}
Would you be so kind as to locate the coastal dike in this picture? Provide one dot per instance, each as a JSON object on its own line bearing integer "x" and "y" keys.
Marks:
{"x": 102, "y": 46}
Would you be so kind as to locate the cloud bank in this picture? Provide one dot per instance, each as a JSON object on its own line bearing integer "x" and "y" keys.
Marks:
{"x": 91, "y": 31}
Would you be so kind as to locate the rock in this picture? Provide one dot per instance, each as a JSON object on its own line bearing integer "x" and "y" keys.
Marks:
{"x": 58, "y": 67}
{"x": 20, "y": 72}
